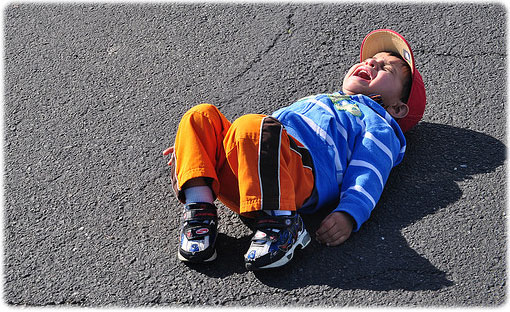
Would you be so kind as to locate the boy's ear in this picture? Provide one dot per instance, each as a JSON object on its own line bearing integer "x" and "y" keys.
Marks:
{"x": 399, "y": 110}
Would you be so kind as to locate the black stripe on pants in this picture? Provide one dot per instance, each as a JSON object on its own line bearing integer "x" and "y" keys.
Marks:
{"x": 306, "y": 158}
{"x": 269, "y": 163}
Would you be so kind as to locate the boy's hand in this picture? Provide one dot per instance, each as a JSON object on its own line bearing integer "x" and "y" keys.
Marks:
{"x": 335, "y": 229}
{"x": 169, "y": 151}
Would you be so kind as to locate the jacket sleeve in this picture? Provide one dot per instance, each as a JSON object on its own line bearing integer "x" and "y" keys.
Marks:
{"x": 373, "y": 157}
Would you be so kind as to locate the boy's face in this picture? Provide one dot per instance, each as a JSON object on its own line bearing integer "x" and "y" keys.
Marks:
{"x": 383, "y": 74}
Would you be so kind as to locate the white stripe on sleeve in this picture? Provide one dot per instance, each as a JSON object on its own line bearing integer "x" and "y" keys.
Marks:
{"x": 362, "y": 163}
{"x": 381, "y": 145}
{"x": 360, "y": 189}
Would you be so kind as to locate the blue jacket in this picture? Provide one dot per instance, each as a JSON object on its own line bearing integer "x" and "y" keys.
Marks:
{"x": 354, "y": 144}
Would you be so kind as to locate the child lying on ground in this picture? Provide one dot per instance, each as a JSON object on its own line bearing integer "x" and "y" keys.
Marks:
{"x": 329, "y": 150}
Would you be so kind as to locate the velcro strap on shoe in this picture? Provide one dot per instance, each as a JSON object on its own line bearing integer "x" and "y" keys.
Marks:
{"x": 200, "y": 212}
{"x": 265, "y": 235}
{"x": 274, "y": 222}
{"x": 197, "y": 232}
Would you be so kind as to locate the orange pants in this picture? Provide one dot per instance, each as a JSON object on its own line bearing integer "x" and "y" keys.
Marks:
{"x": 251, "y": 164}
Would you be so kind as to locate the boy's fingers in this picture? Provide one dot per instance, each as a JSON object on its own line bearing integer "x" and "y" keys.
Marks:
{"x": 330, "y": 235}
{"x": 325, "y": 226}
{"x": 168, "y": 151}
{"x": 334, "y": 239}
{"x": 333, "y": 234}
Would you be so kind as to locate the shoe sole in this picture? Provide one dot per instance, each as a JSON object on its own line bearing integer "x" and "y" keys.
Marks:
{"x": 183, "y": 259}
{"x": 303, "y": 241}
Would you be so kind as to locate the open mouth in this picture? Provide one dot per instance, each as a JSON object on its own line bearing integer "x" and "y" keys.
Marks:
{"x": 363, "y": 74}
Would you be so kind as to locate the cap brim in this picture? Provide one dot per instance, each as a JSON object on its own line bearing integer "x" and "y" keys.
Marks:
{"x": 386, "y": 40}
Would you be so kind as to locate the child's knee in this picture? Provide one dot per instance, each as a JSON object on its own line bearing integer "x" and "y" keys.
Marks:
{"x": 203, "y": 108}
{"x": 200, "y": 113}
{"x": 246, "y": 126}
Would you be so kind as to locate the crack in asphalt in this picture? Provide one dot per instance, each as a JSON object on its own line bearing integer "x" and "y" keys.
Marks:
{"x": 288, "y": 30}
{"x": 289, "y": 26}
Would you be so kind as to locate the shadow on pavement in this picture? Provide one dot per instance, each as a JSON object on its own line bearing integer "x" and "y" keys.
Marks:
{"x": 378, "y": 257}
{"x": 230, "y": 257}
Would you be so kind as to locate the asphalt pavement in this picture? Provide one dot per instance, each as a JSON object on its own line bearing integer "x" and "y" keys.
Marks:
{"x": 93, "y": 93}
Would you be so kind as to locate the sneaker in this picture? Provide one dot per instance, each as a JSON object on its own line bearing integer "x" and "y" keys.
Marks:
{"x": 274, "y": 242}
{"x": 198, "y": 233}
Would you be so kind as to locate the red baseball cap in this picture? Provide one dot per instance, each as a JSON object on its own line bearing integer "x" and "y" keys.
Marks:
{"x": 388, "y": 40}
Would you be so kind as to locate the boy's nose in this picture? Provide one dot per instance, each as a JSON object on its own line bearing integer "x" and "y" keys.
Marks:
{"x": 371, "y": 62}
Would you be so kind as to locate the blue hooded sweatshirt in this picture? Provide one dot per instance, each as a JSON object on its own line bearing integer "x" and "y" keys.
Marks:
{"x": 354, "y": 144}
